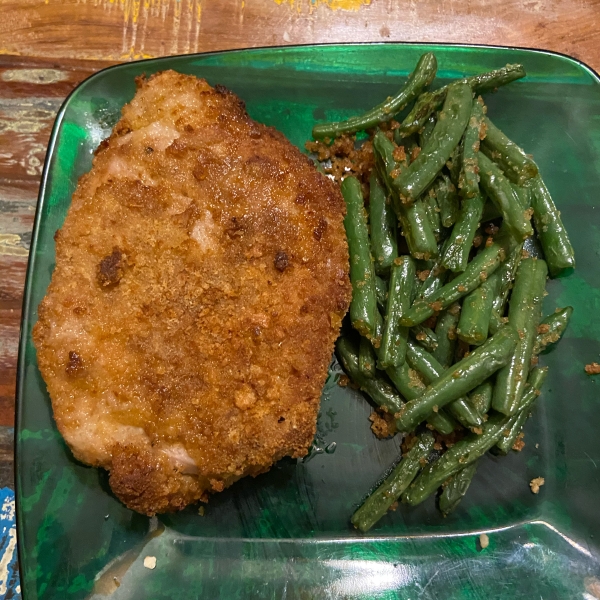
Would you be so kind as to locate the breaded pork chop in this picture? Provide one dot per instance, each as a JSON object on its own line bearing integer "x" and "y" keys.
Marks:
{"x": 200, "y": 283}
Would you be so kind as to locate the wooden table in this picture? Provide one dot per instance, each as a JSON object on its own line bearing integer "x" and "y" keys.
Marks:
{"x": 48, "y": 46}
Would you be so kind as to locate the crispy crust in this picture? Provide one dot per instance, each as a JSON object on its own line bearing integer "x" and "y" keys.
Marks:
{"x": 200, "y": 282}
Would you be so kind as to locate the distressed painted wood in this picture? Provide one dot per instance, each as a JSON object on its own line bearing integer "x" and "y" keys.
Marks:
{"x": 9, "y": 575}
{"x": 125, "y": 29}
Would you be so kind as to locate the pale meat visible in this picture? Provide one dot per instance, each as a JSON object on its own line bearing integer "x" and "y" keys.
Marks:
{"x": 200, "y": 282}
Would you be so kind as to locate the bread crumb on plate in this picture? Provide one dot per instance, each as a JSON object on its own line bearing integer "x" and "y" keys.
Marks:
{"x": 383, "y": 425}
{"x": 536, "y": 484}
{"x": 519, "y": 443}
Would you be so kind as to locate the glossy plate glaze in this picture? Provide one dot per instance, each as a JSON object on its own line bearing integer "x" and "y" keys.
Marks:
{"x": 286, "y": 534}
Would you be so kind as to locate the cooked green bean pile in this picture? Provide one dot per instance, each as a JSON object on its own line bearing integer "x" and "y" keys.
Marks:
{"x": 445, "y": 324}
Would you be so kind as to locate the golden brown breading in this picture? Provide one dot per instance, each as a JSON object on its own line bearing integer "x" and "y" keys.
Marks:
{"x": 200, "y": 282}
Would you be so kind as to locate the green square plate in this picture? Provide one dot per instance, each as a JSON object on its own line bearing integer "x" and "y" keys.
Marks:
{"x": 286, "y": 534}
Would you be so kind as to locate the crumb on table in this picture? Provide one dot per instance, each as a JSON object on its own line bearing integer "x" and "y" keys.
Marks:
{"x": 536, "y": 484}
{"x": 150, "y": 562}
{"x": 484, "y": 541}
{"x": 592, "y": 368}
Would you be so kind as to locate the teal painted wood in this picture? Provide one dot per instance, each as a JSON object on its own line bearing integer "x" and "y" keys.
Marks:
{"x": 10, "y": 588}
{"x": 286, "y": 534}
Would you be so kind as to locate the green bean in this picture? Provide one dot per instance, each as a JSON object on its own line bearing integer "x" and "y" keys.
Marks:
{"x": 468, "y": 182}
{"x": 504, "y": 237}
{"x": 517, "y": 166}
{"x": 422, "y": 265}
{"x": 535, "y": 381}
{"x": 367, "y": 359}
{"x": 363, "y": 307}
{"x": 419, "y": 79}
{"x": 488, "y": 82}
{"x": 381, "y": 291}
{"x": 412, "y": 181}
{"x": 460, "y": 455}
{"x": 510, "y": 435}
{"x": 496, "y": 321}
{"x": 375, "y": 387}
{"x": 474, "y": 323}
{"x": 454, "y": 165}
{"x": 379, "y": 323}
{"x": 433, "y": 213}
{"x": 434, "y": 280}
{"x": 425, "y": 337}
{"x": 408, "y": 383}
{"x": 479, "y": 269}
{"x": 456, "y": 255}
{"x": 423, "y": 362}
{"x": 378, "y": 503}
{"x": 550, "y": 229}
{"x": 447, "y": 200}
{"x": 524, "y": 195}
{"x": 429, "y": 102}
{"x": 456, "y": 488}
{"x": 383, "y": 227}
{"x": 393, "y": 341}
{"x": 416, "y": 227}
{"x": 431, "y": 370}
{"x": 523, "y": 315}
{"x": 445, "y": 330}
{"x": 551, "y": 329}
{"x": 481, "y": 397}
{"x": 498, "y": 188}
{"x": 506, "y": 274}
{"x": 442, "y": 423}
{"x": 425, "y": 134}
{"x": 460, "y": 379}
